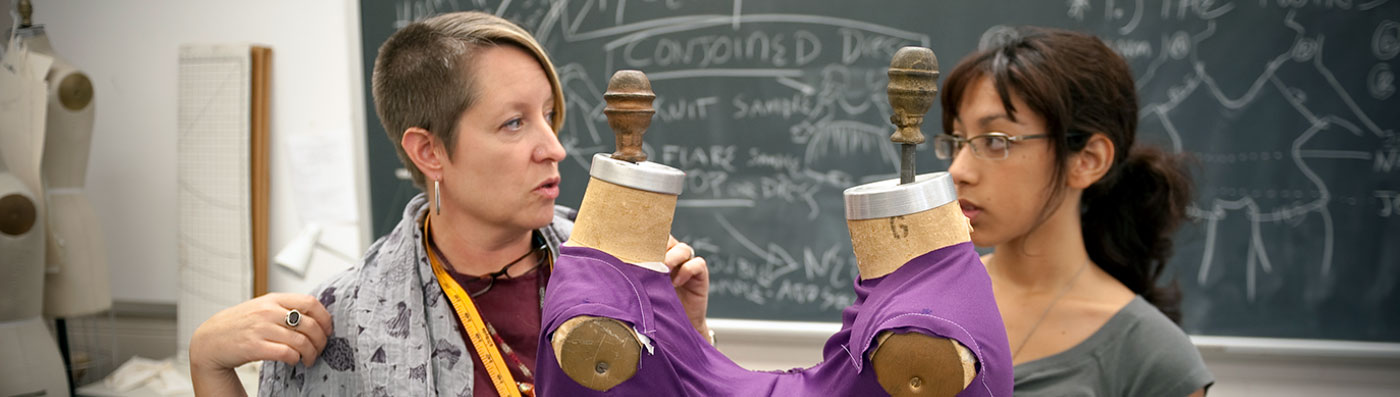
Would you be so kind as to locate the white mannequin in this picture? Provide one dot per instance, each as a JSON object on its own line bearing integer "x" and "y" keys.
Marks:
{"x": 31, "y": 361}
{"x": 77, "y": 281}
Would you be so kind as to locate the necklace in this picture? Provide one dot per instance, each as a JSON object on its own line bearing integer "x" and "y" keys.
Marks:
{"x": 490, "y": 278}
{"x": 1064, "y": 290}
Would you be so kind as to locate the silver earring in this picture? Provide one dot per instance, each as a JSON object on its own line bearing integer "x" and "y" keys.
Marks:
{"x": 437, "y": 196}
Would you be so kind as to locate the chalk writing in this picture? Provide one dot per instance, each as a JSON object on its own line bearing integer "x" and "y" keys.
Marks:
{"x": 1389, "y": 203}
{"x": 773, "y": 110}
{"x": 713, "y": 156}
{"x": 682, "y": 109}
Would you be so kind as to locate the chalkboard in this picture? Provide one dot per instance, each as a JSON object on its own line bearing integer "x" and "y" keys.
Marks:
{"x": 773, "y": 108}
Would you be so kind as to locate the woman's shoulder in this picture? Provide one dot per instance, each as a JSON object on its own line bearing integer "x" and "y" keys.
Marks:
{"x": 1142, "y": 323}
{"x": 341, "y": 288}
{"x": 1159, "y": 355}
{"x": 388, "y": 254}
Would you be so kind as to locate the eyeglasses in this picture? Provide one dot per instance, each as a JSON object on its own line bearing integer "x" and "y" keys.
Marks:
{"x": 490, "y": 279}
{"x": 991, "y": 146}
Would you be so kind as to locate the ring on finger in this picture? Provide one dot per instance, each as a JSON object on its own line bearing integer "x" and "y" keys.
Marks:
{"x": 293, "y": 318}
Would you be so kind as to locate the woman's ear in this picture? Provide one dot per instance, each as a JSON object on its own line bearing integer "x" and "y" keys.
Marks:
{"x": 1092, "y": 163}
{"x": 425, "y": 152}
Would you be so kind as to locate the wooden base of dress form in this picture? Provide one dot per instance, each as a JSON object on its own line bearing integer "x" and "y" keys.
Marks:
{"x": 597, "y": 352}
{"x": 915, "y": 364}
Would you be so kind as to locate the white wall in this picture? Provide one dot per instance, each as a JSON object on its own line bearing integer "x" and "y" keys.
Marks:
{"x": 129, "y": 49}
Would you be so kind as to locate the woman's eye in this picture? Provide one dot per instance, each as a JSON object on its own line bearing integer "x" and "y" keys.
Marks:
{"x": 513, "y": 124}
{"x": 549, "y": 117}
{"x": 996, "y": 143}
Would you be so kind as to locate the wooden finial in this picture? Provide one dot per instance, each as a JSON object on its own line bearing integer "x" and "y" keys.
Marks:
{"x": 629, "y": 112}
{"x": 913, "y": 85}
{"x": 25, "y": 10}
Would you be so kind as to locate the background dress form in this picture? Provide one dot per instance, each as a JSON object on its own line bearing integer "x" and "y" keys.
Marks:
{"x": 77, "y": 282}
{"x": 32, "y": 362}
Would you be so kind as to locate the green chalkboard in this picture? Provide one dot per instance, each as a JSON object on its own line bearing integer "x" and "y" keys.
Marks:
{"x": 773, "y": 108}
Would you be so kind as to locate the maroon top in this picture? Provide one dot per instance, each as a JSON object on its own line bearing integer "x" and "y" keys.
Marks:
{"x": 512, "y": 306}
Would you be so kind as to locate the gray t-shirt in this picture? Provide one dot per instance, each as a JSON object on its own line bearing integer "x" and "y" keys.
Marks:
{"x": 1138, "y": 352}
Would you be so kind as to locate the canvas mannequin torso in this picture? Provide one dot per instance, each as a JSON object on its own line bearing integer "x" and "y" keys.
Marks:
{"x": 626, "y": 212}
{"x": 23, "y": 332}
{"x": 21, "y": 244}
{"x": 77, "y": 281}
{"x": 888, "y": 241}
{"x": 632, "y": 225}
{"x": 33, "y": 364}
{"x": 893, "y": 224}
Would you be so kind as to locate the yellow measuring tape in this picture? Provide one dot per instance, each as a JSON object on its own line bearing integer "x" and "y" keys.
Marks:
{"x": 476, "y": 327}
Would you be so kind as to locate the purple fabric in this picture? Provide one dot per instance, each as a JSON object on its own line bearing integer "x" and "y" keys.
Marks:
{"x": 945, "y": 293}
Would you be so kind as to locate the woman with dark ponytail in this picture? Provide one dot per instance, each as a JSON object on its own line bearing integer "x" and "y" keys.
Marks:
{"x": 1040, "y": 127}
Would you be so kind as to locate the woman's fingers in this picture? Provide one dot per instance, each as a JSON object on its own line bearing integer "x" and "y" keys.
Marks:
{"x": 692, "y": 283}
{"x": 279, "y": 352}
{"x": 295, "y": 340}
{"x": 693, "y": 276}
{"x": 678, "y": 258}
{"x": 677, "y": 254}
{"x": 311, "y": 328}
{"x": 311, "y": 332}
{"x": 688, "y": 271}
{"x": 254, "y": 330}
{"x": 309, "y": 306}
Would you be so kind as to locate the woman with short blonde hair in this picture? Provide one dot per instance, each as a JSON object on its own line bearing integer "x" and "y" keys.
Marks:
{"x": 473, "y": 106}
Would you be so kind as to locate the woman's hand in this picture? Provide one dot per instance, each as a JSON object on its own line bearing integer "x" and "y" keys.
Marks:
{"x": 253, "y": 331}
{"x": 691, "y": 277}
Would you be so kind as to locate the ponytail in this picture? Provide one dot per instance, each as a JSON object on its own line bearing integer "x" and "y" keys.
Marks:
{"x": 1128, "y": 220}
{"x": 1081, "y": 87}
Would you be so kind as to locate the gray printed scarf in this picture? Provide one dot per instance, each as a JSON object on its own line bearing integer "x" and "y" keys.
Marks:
{"x": 394, "y": 330}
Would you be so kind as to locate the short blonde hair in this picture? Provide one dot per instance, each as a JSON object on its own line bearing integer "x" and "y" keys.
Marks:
{"x": 423, "y": 75}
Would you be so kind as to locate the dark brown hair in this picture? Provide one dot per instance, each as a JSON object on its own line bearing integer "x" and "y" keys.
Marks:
{"x": 1081, "y": 88}
{"x": 422, "y": 75}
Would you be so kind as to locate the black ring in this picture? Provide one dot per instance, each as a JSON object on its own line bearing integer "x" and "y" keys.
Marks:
{"x": 293, "y": 318}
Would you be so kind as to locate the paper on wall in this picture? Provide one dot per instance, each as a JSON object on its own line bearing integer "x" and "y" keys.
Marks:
{"x": 322, "y": 176}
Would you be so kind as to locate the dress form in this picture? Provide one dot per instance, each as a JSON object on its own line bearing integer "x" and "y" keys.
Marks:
{"x": 626, "y": 212}
{"x": 22, "y": 226}
{"x": 620, "y": 312}
{"x": 21, "y": 244}
{"x": 76, "y": 261}
{"x": 886, "y": 237}
{"x": 896, "y": 221}
{"x": 32, "y": 363}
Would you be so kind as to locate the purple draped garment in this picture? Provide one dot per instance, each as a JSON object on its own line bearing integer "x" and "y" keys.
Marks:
{"x": 945, "y": 293}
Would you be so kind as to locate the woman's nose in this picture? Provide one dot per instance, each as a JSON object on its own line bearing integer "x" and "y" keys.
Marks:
{"x": 550, "y": 150}
{"x": 961, "y": 169}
